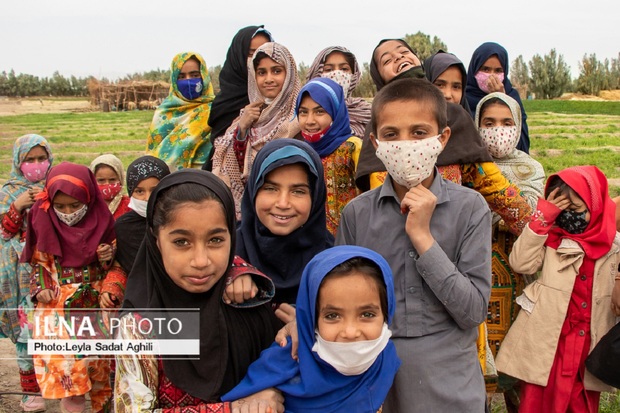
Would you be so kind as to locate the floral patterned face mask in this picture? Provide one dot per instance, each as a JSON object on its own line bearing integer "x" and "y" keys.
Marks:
{"x": 340, "y": 77}
{"x": 72, "y": 218}
{"x": 410, "y": 162}
{"x": 500, "y": 140}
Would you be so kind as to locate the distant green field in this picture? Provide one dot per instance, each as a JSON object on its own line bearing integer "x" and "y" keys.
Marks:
{"x": 563, "y": 133}
{"x": 572, "y": 107}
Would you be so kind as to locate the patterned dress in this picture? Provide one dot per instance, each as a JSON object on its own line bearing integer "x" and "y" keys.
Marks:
{"x": 339, "y": 169}
{"x": 62, "y": 376}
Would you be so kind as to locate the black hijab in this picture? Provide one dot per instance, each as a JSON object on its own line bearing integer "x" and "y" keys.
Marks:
{"x": 230, "y": 338}
{"x": 233, "y": 95}
{"x": 130, "y": 227}
{"x": 464, "y": 146}
{"x": 283, "y": 258}
{"x": 438, "y": 63}
{"x": 474, "y": 93}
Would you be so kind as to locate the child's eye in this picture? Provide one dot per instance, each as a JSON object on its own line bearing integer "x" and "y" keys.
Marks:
{"x": 389, "y": 135}
{"x": 320, "y": 112}
{"x": 368, "y": 314}
{"x": 138, "y": 191}
{"x": 216, "y": 240}
{"x": 303, "y": 112}
{"x": 331, "y": 316}
{"x": 385, "y": 62}
{"x": 181, "y": 242}
{"x": 299, "y": 192}
{"x": 260, "y": 72}
{"x": 277, "y": 71}
{"x": 268, "y": 188}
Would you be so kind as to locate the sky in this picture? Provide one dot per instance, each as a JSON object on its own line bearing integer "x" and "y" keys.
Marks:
{"x": 112, "y": 38}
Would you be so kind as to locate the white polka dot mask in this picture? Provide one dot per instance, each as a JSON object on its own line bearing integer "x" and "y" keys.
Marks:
{"x": 500, "y": 140}
{"x": 410, "y": 162}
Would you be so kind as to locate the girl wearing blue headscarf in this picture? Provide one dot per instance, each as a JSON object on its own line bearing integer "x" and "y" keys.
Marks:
{"x": 324, "y": 121}
{"x": 345, "y": 357}
{"x": 283, "y": 210}
{"x": 488, "y": 73}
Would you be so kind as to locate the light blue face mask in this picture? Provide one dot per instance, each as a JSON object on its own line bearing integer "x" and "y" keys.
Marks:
{"x": 190, "y": 88}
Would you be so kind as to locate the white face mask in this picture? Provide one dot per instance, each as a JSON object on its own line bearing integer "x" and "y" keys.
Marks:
{"x": 72, "y": 218}
{"x": 340, "y": 77}
{"x": 500, "y": 140}
{"x": 351, "y": 359}
{"x": 139, "y": 206}
{"x": 410, "y": 162}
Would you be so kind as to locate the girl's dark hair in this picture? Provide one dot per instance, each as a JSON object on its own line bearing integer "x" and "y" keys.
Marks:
{"x": 104, "y": 165}
{"x": 487, "y": 103}
{"x": 556, "y": 182}
{"x": 169, "y": 200}
{"x": 366, "y": 267}
{"x": 257, "y": 59}
{"x": 348, "y": 56}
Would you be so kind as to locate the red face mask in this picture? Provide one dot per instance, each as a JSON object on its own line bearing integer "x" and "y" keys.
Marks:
{"x": 315, "y": 137}
{"x": 109, "y": 191}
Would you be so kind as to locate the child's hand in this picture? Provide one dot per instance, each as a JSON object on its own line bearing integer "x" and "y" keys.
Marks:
{"x": 561, "y": 201}
{"x": 45, "y": 296}
{"x": 250, "y": 115}
{"x": 419, "y": 204}
{"x": 289, "y": 330}
{"x": 26, "y": 199}
{"x": 265, "y": 401}
{"x": 495, "y": 85}
{"x": 240, "y": 290}
{"x": 105, "y": 253}
{"x": 286, "y": 313}
{"x": 107, "y": 300}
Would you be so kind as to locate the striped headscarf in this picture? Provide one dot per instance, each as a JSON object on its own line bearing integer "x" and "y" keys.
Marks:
{"x": 277, "y": 120}
{"x": 179, "y": 132}
{"x": 359, "y": 109}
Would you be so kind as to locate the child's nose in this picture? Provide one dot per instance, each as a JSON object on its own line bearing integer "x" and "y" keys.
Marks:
{"x": 283, "y": 200}
{"x": 201, "y": 257}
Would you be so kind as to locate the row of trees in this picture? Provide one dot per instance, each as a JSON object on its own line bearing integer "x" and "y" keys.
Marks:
{"x": 548, "y": 76}
{"x": 545, "y": 77}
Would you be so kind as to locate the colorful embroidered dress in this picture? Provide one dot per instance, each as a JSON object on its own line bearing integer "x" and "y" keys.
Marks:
{"x": 15, "y": 303}
{"x": 179, "y": 132}
{"x": 64, "y": 260}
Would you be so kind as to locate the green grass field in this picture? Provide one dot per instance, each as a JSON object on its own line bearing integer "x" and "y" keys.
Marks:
{"x": 563, "y": 133}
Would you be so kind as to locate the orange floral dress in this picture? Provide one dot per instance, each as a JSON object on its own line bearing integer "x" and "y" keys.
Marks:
{"x": 62, "y": 376}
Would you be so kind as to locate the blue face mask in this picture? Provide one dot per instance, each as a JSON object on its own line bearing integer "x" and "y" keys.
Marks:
{"x": 190, "y": 88}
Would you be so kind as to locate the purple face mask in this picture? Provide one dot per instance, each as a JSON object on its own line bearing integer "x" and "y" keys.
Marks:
{"x": 482, "y": 78}
{"x": 35, "y": 171}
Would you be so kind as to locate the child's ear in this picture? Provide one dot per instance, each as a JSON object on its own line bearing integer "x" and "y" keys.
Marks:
{"x": 373, "y": 140}
{"x": 444, "y": 137}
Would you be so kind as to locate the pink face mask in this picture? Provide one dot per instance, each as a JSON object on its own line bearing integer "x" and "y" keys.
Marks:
{"x": 109, "y": 191}
{"x": 482, "y": 78}
{"x": 35, "y": 171}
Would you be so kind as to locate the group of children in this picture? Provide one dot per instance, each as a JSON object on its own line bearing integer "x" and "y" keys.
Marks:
{"x": 400, "y": 298}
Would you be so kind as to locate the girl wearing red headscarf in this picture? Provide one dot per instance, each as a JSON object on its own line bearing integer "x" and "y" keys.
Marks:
{"x": 571, "y": 239}
{"x": 70, "y": 245}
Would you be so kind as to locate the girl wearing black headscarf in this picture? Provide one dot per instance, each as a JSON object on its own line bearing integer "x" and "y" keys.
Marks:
{"x": 233, "y": 95}
{"x": 184, "y": 262}
{"x": 479, "y": 83}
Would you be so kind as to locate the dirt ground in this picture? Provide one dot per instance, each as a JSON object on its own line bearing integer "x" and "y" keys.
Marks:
{"x": 16, "y": 106}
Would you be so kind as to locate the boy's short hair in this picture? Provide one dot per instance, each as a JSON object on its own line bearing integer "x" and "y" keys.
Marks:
{"x": 418, "y": 90}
